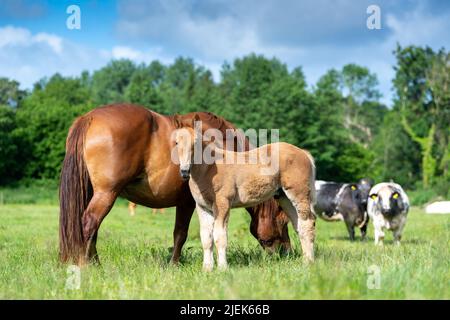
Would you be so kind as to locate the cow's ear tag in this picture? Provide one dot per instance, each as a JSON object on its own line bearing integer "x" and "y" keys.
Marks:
{"x": 373, "y": 197}
{"x": 353, "y": 187}
{"x": 395, "y": 196}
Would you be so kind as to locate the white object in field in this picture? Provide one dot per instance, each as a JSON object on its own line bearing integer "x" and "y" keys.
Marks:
{"x": 439, "y": 207}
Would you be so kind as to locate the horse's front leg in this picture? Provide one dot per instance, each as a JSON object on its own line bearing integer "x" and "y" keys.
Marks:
{"x": 182, "y": 220}
{"x": 206, "y": 235}
{"x": 221, "y": 214}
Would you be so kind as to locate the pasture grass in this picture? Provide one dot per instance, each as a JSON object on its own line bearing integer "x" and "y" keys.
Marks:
{"x": 134, "y": 252}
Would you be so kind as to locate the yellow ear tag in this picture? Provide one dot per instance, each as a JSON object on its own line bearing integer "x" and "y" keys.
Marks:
{"x": 395, "y": 196}
{"x": 353, "y": 188}
{"x": 374, "y": 197}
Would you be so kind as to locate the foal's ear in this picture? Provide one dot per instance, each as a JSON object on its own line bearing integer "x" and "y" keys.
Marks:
{"x": 194, "y": 119}
{"x": 178, "y": 124}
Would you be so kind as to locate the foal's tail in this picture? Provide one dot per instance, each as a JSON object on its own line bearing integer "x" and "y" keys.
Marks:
{"x": 312, "y": 180}
{"x": 75, "y": 192}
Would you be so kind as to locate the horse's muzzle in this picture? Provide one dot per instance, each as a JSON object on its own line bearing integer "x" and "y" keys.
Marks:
{"x": 185, "y": 174}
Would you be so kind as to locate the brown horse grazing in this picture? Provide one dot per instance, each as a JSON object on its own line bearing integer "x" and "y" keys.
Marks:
{"x": 125, "y": 150}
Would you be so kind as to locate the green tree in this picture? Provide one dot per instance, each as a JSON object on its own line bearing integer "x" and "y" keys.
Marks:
{"x": 187, "y": 87}
{"x": 326, "y": 136}
{"x": 259, "y": 93}
{"x": 361, "y": 103}
{"x": 396, "y": 154}
{"x": 110, "y": 82}
{"x": 10, "y": 93}
{"x": 9, "y": 164}
{"x": 43, "y": 122}
{"x": 438, "y": 79}
{"x": 421, "y": 84}
{"x": 144, "y": 86}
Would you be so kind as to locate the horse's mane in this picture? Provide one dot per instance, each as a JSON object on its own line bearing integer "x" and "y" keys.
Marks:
{"x": 214, "y": 121}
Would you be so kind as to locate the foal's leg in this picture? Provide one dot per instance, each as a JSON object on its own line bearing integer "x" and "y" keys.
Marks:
{"x": 221, "y": 215}
{"x": 180, "y": 232}
{"x": 206, "y": 234}
{"x": 98, "y": 208}
{"x": 300, "y": 213}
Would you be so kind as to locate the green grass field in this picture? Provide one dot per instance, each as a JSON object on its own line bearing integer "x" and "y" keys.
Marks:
{"x": 135, "y": 251}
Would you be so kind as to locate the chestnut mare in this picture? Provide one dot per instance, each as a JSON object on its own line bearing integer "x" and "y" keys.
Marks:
{"x": 125, "y": 150}
{"x": 221, "y": 182}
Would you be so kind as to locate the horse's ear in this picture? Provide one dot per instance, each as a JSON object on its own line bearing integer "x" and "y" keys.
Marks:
{"x": 177, "y": 121}
{"x": 194, "y": 119}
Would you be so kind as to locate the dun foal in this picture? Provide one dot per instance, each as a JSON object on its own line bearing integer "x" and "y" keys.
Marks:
{"x": 287, "y": 172}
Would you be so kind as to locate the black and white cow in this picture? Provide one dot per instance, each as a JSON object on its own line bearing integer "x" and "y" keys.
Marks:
{"x": 344, "y": 202}
{"x": 388, "y": 206}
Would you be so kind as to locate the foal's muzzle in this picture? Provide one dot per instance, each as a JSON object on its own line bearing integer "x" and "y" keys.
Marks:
{"x": 185, "y": 173}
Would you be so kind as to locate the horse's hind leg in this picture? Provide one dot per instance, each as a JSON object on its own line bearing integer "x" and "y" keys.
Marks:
{"x": 298, "y": 207}
{"x": 98, "y": 208}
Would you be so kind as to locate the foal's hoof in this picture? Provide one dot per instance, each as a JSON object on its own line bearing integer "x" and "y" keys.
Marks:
{"x": 308, "y": 259}
{"x": 222, "y": 268}
{"x": 207, "y": 268}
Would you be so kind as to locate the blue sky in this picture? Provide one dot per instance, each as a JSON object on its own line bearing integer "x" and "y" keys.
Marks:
{"x": 317, "y": 35}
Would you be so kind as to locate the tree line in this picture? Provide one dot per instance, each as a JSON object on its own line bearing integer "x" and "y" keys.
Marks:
{"x": 340, "y": 119}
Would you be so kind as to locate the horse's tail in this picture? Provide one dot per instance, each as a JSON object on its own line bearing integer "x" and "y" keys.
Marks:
{"x": 75, "y": 192}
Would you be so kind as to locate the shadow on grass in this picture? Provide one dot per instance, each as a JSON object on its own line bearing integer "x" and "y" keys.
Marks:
{"x": 133, "y": 254}
{"x": 347, "y": 239}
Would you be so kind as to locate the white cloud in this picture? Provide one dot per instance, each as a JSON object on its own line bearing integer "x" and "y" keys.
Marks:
{"x": 121, "y": 52}
{"x": 212, "y": 32}
{"x": 27, "y": 57}
{"x": 53, "y": 41}
{"x": 125, "y": 52}
{"x": 317, "y": 36}
{"x": 419, "y": 28}
{"x": 11, "y": 36}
